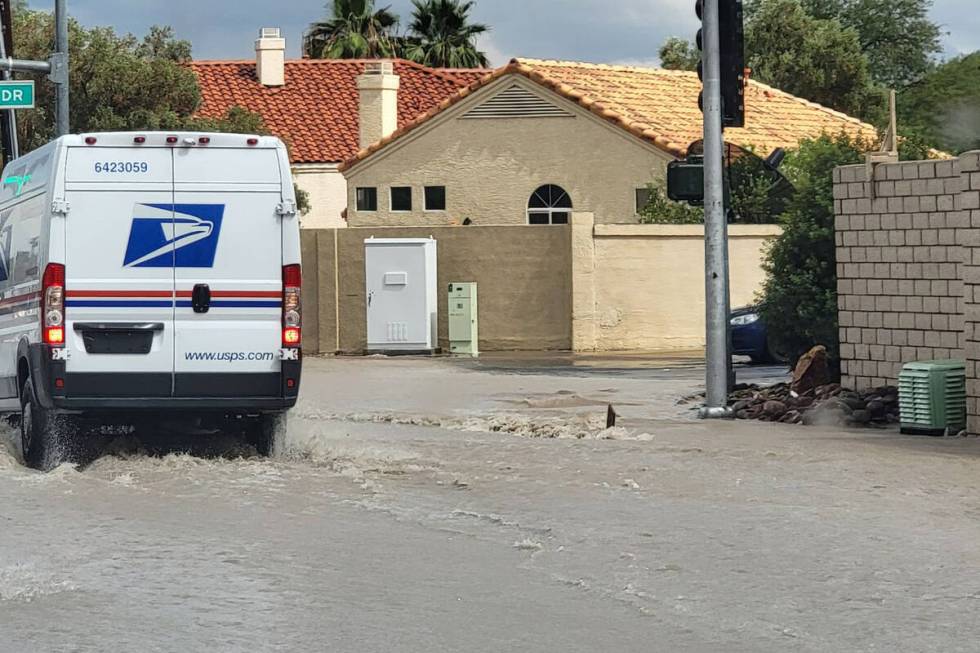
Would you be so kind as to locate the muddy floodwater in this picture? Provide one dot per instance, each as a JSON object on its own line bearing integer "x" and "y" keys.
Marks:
{"x": 432, "y": 506}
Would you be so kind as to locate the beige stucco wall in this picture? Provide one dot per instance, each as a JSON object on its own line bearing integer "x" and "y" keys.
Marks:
{"x": 649, "y": 283}
{"x": 585, "y": 287}
{"x": 490, "y": 167}
{"x": 328, "y": 195}
{"x": 523, "y": 275}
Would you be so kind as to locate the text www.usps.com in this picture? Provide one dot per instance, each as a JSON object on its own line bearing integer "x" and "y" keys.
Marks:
{"x": 229, "y": 356}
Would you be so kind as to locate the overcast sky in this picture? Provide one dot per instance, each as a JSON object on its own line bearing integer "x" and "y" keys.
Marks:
{"x": 601, "y": 31}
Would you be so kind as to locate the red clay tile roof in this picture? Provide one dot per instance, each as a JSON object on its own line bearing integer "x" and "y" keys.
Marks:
{"x": 316, "y": 112}
{"x": 661, "y": 106}
{"x": 467, "y": 75}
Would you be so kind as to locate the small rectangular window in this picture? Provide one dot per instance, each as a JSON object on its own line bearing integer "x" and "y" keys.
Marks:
{"x": 642, "y": 199}
{"x": 367, "y": 199}
{"x": 435, "y": 198}
{"x": 401, "y": 198}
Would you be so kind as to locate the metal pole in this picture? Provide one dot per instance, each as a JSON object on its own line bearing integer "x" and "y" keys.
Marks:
{"x": 61, "y": 54}
{"x": 11, "y": 145}
{"x": 715, "y": 224}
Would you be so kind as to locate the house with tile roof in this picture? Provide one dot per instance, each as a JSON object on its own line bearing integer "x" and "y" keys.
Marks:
{"x": 313, "y": 105}
{"x": 536, "y": 140}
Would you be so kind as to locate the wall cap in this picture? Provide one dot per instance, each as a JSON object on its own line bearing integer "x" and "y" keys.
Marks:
{"x": 683, "y": 230}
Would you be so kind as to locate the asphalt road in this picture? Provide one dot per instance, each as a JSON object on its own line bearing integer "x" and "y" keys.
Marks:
{"x": 428, "y": 505}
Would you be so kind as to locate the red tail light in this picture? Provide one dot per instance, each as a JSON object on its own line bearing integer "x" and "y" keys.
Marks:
{"x": 91, "y": 140}
{"x": 53, "y": 305}
{"x": 252, "y": 141}
{"x": 292, "y": 306}
{"x": 171, "y": 140}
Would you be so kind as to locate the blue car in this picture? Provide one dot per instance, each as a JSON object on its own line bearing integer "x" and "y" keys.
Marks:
{"x": 751, "y": 338}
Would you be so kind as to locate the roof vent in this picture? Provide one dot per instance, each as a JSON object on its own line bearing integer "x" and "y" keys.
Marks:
{"x": 379, "y": 68}
{"x": 270, "y": 33}
{"x": 518, "y": 102}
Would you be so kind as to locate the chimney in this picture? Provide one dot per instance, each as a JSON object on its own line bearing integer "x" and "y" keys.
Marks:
{"x": 270, "y": 57}
{"x": 378, "y": 87}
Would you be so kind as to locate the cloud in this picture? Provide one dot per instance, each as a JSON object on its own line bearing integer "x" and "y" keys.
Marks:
{"x": 495, "y": 54}
{"x": 586, "y": 30}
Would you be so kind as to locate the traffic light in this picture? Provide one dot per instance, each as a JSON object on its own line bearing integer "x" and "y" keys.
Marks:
{"x": 732, "y": 56}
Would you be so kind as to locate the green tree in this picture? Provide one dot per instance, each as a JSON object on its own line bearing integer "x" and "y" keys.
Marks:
{"x": 799, "y": 302}
{"x": 943, "y": 108}
{"x": 758, "y": 195}
{"x": 679, "y": 54}
{"x": 813, "y": 58}
{"x": 117, "y": 82}
{"x": 659, "y": 209}
{"x": 896, "y": 35}
{"x": 352, "y": 30}
{"x": 442, "y": 36}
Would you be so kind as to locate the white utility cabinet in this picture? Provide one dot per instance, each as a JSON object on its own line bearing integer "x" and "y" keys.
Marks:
{"x": 402, "y": 294}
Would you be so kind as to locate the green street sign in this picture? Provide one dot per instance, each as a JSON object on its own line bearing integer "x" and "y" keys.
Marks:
{"x": 17, "y": 95}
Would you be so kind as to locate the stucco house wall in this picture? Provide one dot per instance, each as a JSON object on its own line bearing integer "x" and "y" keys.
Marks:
{"x": 328, "y": 195}
{"x": 491, "y": 166}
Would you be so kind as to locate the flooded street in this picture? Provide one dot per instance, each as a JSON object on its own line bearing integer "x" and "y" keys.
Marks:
{"x": 436, "y": 506}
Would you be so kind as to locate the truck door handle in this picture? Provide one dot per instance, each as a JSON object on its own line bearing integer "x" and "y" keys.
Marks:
{"x": 201, "y": 298}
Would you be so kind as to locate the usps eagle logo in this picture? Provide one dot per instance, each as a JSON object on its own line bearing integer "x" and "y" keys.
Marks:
{"x": 174, "y": 235}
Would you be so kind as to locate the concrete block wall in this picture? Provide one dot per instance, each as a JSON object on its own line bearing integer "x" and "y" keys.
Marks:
{"x": 899, "y": 255}
{"x": 968, "y": 203}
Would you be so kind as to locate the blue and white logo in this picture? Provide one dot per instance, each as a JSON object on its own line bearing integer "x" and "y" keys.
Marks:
{"x": 174, "y": 235}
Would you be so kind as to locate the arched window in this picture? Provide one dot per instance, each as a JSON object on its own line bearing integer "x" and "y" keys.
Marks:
{"x": 549, "y": 205}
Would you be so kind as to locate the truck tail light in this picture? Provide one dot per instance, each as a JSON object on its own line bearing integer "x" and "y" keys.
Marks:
{"x": 53, "y": 305}
{"x": 292, "y": 306}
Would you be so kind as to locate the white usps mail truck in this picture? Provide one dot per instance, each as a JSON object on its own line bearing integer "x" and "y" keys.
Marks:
{"x": 147, "y": 278}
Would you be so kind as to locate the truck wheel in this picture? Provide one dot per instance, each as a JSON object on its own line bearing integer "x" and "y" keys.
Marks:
{"x": 267, "y": 433}
{"x": 47, "y": 439}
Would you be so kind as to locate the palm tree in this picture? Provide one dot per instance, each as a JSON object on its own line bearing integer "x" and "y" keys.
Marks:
{"x": 441, "y": 35}
{"x": 353, "y": 30}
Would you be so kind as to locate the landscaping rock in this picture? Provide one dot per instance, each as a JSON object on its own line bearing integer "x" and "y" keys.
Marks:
{"x": 792, "y": 417}
{"x": 811, "y": 371}
{"x": 825, "y": 405}
{"x": 877, "y": 408}
{"x": 861, "y": 417}
{"x": 774, "y": 409}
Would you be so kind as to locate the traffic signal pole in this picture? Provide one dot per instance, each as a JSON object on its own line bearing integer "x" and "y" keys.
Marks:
{"x": 11, "y": 148}
{"x": 59, "y": 65}
{"x": 717, "y": 356}
{"x": 56, "y": 67}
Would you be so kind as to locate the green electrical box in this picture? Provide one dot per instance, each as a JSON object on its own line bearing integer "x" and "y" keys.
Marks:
{"x": 464, "y": 330}
{"x": 932, "y": 397}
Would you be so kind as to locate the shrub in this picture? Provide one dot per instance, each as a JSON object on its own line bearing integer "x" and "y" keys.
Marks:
{"x": 660, "y": 209}
{"x": 799, "y": 301}
{"x": 758, "y": 196}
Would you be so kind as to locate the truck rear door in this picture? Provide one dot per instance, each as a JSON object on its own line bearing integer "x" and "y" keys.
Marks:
{"x": 119, "y": 302}
{"x": 228, "y": 279}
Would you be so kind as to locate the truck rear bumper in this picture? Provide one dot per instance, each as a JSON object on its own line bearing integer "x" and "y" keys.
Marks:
{"x": 136, "y": 392}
